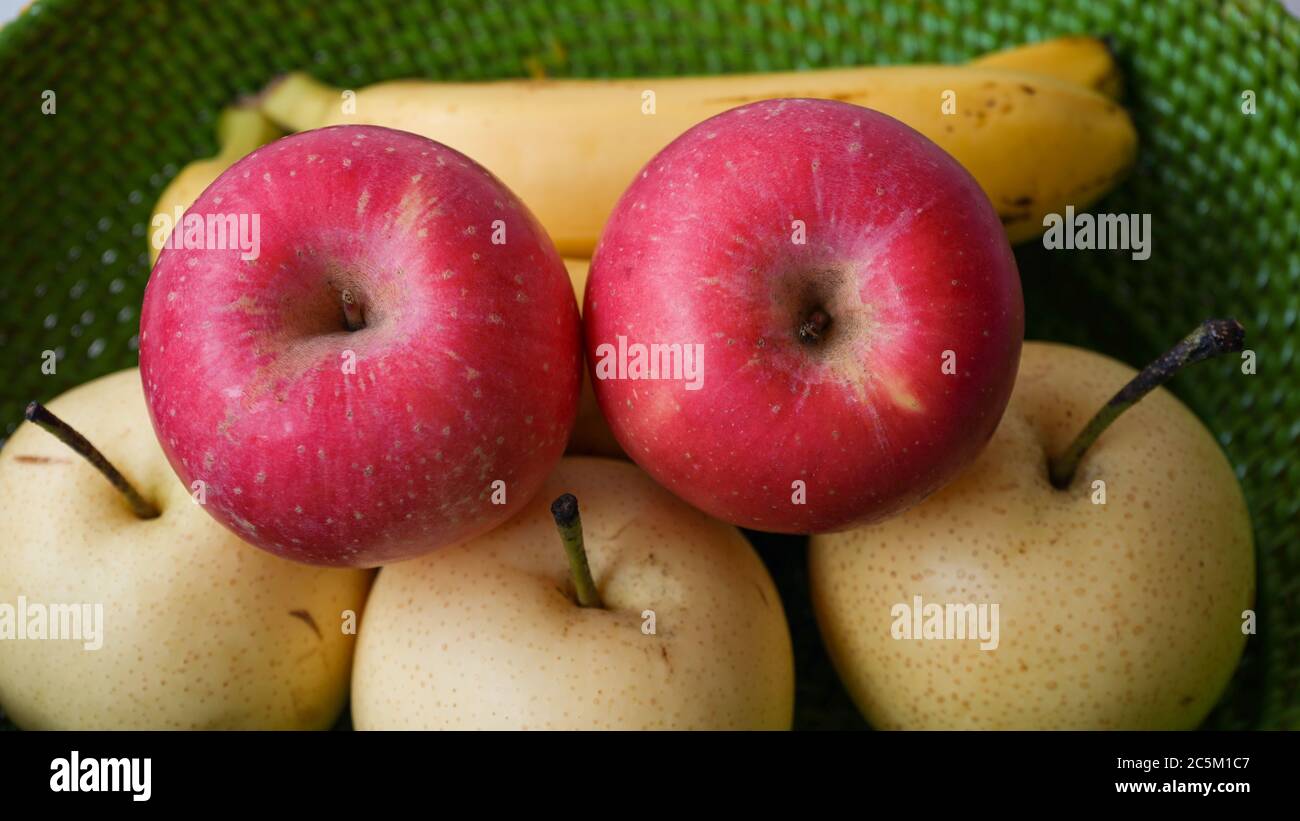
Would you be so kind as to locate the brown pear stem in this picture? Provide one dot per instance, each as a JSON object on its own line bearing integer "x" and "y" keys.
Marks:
{"x": 1211, "y": 338}
{"x": 569, "y": 523}
{"x": 38, "y": 414}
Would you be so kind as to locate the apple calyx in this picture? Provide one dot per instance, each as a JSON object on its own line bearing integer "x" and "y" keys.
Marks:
{"x": 814, "y": 326}
{"x": 1211, "y": 338}
{"x": 353, "y": 314}
{"x": 39, "y": 415}
{"x": 565, "y": 511}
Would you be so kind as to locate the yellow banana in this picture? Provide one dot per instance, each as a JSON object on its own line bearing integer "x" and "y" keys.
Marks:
{"x": 568, "y": 148}
{"x": 240, "y": 129}
{"x": 591, "y": 434}
{"x": 577, "y": 268}
{"x": 1086, "y": 61}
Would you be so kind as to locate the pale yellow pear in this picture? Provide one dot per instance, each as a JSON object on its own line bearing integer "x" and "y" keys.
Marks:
{"x": 199, "y": 629}
{"x": 1126, "y": 614}
{"x": 488, "y": 634}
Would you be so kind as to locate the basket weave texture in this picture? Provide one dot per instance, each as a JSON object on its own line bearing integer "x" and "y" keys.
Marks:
{"x": 138, "y": 86}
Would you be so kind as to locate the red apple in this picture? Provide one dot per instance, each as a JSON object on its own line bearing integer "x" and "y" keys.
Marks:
{"x": 854, "y": 302}
{"x": 405, "y": 339}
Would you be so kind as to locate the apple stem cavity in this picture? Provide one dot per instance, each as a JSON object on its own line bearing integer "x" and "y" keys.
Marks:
{"x": 353, "y": 316}
{"x": 39, "y": 415}
{"x": 569, "y": 523}
{"x": 1211, "y": 338}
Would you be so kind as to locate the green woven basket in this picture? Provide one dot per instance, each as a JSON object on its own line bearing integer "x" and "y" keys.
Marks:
{"x": 138, "y": 85}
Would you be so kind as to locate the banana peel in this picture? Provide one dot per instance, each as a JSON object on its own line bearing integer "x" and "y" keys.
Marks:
{"x": 568, "y": 148}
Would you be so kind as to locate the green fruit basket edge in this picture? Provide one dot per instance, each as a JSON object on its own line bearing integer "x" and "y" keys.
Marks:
{"x": 137, "y": 87}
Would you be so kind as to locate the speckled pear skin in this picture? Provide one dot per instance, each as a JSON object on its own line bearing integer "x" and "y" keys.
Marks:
{"x": 488, "y": 634}
{"x": 1125, "y": 615}
{"x": 201, "y": 630}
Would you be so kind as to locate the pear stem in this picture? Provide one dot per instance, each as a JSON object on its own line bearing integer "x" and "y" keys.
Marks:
{"x": 38, "y": 414}
{"x": 569, "y": 523}
{"x": 1211, "y": 338}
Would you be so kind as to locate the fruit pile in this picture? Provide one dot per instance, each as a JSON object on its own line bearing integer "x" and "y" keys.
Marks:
{"x": 360, "y": 348}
